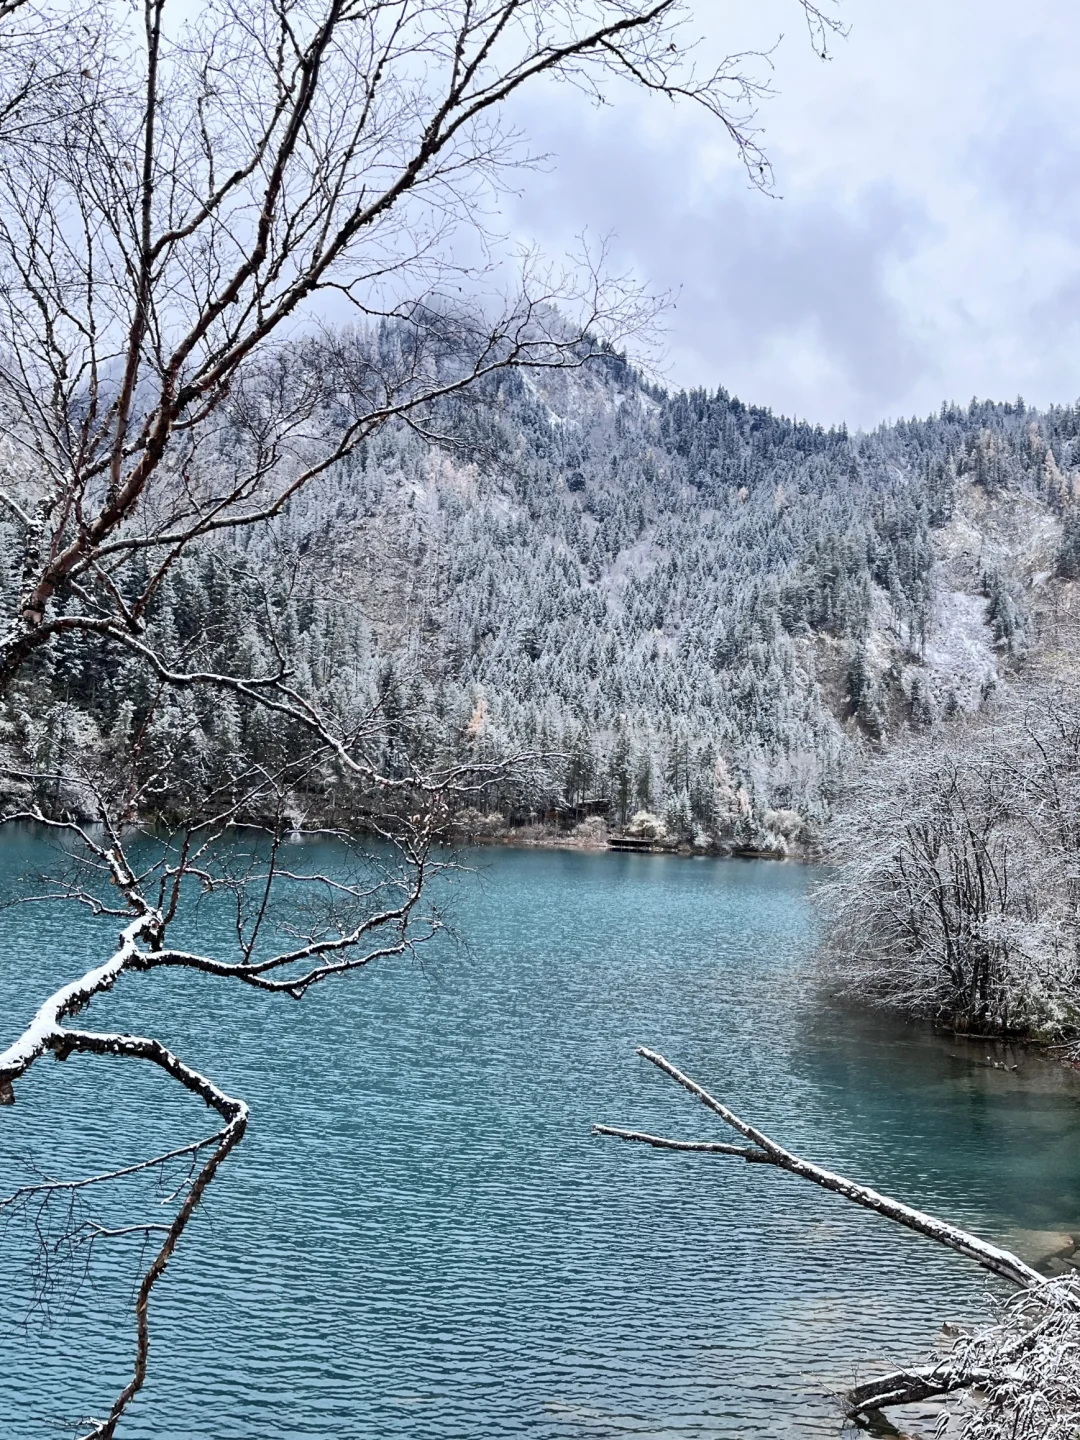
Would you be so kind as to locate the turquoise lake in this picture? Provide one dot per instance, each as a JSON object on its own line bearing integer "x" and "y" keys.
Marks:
{"x": 419, "y": 1236}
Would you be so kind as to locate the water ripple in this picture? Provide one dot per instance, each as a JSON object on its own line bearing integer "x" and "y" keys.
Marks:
{"x": 419, "y": 1237}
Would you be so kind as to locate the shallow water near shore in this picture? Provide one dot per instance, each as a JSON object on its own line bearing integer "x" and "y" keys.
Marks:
{"x": 419, "y": 1236}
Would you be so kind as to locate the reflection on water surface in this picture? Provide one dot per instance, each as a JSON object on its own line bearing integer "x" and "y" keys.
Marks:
{"x": 420, "y": 1238}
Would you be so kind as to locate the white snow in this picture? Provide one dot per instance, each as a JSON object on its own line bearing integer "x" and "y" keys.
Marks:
{"x": 46, "y": 1023}
{"x": 959, "y": 658}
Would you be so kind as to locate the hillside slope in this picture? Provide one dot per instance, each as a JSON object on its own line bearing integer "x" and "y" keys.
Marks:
{"x": 708, "y": 608}
{"x": 691, "y": 606}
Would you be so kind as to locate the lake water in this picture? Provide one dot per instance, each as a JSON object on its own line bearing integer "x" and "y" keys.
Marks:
{"x": 419, "y": 1237}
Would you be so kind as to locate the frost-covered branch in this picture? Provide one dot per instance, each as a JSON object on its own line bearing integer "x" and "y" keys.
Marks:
{"x": 331, "y": 149}
{"x": 955, "y": 889}
{"x": 767, "y": 1151}
{"x": 233, "y": 1112}
{"x": 364, "y": 919}
{"x": 1027, "y": 1363}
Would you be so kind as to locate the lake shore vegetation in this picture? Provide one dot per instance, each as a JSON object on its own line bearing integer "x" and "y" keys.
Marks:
{"x": 953, "y": 893}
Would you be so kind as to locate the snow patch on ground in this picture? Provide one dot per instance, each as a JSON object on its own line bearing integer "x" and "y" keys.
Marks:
{"x": 881, "y": 637}
{"x": 959, "y": 664}
{"x": 959, "y": 658}
{"x": 1014, "y": 533}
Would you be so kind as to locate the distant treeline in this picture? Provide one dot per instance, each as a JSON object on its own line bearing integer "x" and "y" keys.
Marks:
{"x": 676, "y": 602}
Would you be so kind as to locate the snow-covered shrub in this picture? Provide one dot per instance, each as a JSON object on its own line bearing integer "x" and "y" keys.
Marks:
{"x": 646, "y": 825}
{"x": 956, "y": 892}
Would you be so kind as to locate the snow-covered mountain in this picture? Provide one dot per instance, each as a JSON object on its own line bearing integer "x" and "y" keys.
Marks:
{"x": 704, "y": 608}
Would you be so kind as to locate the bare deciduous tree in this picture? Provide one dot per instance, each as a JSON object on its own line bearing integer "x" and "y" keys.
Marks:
{"x": 955, "y": 889}
{"x": 182, "y": 207}
{"x": 173, "y": 205}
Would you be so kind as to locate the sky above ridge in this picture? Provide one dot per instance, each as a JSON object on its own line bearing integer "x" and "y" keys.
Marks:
{"x": 927, "y": 243}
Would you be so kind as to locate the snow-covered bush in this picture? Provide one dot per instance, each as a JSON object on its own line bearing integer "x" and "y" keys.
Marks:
{"x": 646, "y": 825}
{"x": 956, "y": 892}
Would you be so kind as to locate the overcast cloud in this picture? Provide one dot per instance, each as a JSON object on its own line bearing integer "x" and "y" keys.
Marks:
{"x": 927, "y": 245}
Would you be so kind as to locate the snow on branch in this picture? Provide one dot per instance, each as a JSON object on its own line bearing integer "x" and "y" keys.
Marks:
{"x": 1029, "y": 1364}
{"x": 358, "y": 919}
{"x": 767, "y": 1151}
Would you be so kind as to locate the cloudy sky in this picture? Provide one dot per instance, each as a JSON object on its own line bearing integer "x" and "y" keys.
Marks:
{"x": 927, "y": 242}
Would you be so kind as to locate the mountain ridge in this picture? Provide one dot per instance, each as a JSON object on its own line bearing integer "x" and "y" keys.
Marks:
{"x": 696, "y": 608}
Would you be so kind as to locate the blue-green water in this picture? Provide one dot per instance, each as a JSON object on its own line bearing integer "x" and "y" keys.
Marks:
{"x": 419, "y": 1237}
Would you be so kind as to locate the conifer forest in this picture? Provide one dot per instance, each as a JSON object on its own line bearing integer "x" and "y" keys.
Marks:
{"x": 675, "y": 603}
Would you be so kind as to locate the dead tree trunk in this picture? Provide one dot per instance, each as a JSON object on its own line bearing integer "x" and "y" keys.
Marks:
{"x": 903, "y": 1386}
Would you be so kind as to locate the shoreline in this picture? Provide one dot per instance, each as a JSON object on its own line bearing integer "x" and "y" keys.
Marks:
{"x": 545, "y": 837}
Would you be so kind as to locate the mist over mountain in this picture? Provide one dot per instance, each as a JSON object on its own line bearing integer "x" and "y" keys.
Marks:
{"x": 680, "y": 603}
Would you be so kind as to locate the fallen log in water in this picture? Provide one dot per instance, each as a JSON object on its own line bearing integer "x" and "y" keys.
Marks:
{"x": 1028, "y": 1365}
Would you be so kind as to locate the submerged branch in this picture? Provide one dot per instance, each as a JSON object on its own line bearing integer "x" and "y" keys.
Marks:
{"x": 990, "y": 1257}
{"x": 698, "y": 1147}
{"x": 992, "y": 1361}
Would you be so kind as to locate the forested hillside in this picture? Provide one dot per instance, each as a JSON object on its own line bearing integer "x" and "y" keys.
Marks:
{"x": 675, "y": 603}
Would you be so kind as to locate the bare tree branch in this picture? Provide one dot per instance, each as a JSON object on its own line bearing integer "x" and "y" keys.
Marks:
{"x": 990, "y": 1257}
{"x": 1039, "y": 1333}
